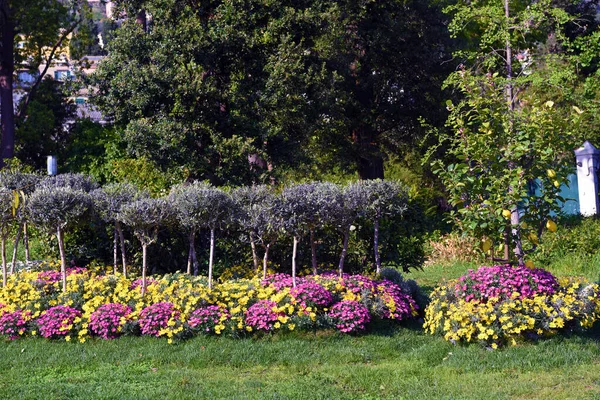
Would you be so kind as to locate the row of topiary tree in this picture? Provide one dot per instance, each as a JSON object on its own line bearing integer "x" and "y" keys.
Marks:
{"x": 263, "y": 213}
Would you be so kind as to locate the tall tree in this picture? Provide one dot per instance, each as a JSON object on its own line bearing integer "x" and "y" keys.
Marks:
{"x": 510, "y": 148}
{"x": 238, "y": 91}
{"x": 28, "y": 43}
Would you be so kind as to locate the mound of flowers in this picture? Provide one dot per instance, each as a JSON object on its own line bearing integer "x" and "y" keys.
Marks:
{"x": 503, "y": 304}
{"x": 177, "y": 306}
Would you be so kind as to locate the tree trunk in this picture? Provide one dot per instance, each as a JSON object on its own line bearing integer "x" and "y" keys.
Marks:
{"x": 189, "y": 262}
{"x": 26, "y": 242}
{"x": 4, "y": 270}
{"x": 115, "y": 250}
{"x": 510, "y": 99}
{"x": 294, "y": 261}
{"x": 344, "y": 251}
{"x": 210, "y": 258}
{"x": 313, "y": 250}
{"x": 265, "y": 260}
{"x": 376, "y": 245}
{"x": 144, "y": 267}
{"x": 192, "y": 258}
{"x": 122, "y": 240}
{"x": 7, "y": 69}
{"x": 254, "y": 255}
{"x": 370, "y": 159}
{"x": 63, "y": 258}
{"x": 15, "y": 249}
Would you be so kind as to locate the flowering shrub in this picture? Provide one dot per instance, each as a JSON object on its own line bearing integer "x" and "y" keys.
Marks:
{"x": 206, "y": 319}
{"x": 350, "y": 316}
{"x": 176, "y": 306}
{"x": 108, "y": 320}
{"x": 157, "y": 317}
{"x": 311, "y": 294}
{"x": 14, "y": 324}
{"x": 395, "y": 303}
{"x": 52, "y": 276}
{"x": 503, "y": 281}
{"x": 58, "y": 321}
{"x": 494, "y": 321}
{"x": 263, "y": 316}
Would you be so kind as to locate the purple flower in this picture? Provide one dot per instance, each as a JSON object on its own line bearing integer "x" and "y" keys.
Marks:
{"x": 350, "y": 316}
{"x": 106, "y": 321}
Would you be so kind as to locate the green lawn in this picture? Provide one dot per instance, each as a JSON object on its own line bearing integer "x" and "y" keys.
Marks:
{"x": 405, "y": 364}
{"x": 401, "y": 363}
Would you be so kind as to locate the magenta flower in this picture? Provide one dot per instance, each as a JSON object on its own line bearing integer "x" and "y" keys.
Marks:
{"x": 57, "y": 321}
{"x": 107, "y": 320}
{"x": 350, "y": 316}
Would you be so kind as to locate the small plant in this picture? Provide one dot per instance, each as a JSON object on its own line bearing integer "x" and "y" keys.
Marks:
{"x": 350, "y": 316}
{"x": 157, "y": 317}
{"x": 14, "y": 324}
{"x": 311, "y": 294}
{"x": 262, "y": 316}
{"x": 108, "y": 320}
{"x": 205, "y": 319}
{"x": 57, "y": 322}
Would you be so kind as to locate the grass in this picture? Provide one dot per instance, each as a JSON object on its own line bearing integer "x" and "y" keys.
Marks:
{"x": 402, "y": 363}
{"x": 390, "y": 363}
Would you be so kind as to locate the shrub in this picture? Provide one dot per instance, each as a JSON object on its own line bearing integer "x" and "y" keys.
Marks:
{"x": 156, "y": 318}
{"x": 350, "y": 316}
{"x": 264, "y": 315}
{"x": 108, "y": 320}
{"x": 311, "y": 294}
{"x": 14, "y": 324}
{"x": 493, "y": 317}
{"x": 505, "y": 281}
{"x": 58, "y": 321}
{"x": 205, "y": 319}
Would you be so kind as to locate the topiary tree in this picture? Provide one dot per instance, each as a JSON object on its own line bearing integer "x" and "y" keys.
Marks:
{"x": 380, "y": 199}
{"x": 146, "y": 216}
{"x": 297, "y": 214}
{"x": 107, "y": 203}
{"x": 257, "y": 217}
{"x": 324, "y": 199}
{"x": 351, "y": 206}
{"x": 82, "y": 182}
{"x": 22, "y": 185}
{"x": 192, "y": 209}
{"x": 7, "y": 217}
{"x": 220, "y": 215}
{"x": 56, "y": 209}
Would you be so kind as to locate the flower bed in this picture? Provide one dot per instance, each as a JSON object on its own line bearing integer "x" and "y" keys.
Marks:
{"x": 502, "y": 304}
{"x": 178, "y": 306}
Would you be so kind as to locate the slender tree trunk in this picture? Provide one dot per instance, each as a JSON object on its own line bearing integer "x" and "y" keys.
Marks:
{"x": 313, "y": 250}
{"x": 63, "y": 258}
{"x": 144, "y": 267}
{"x": 294, "y": 261}
{"x": 4, "y": 269}
{"x": 510, "y": 99}
{"x": 192, "y": 258}
{"x": 26, "y": 242}
{"x": 254, "y": 255}
{"x": 123, "y": 254}
{"x": 7, "y": 69}
{"x": 210, "y": 258}
{"x": 15, "y": 249}
{"x": 376, "y": 245}
{"x": 115, "y": 250}
{"x": 265, "y": 260}
{"x": 344, "y": 251}
{"x": 189, "y": 262}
